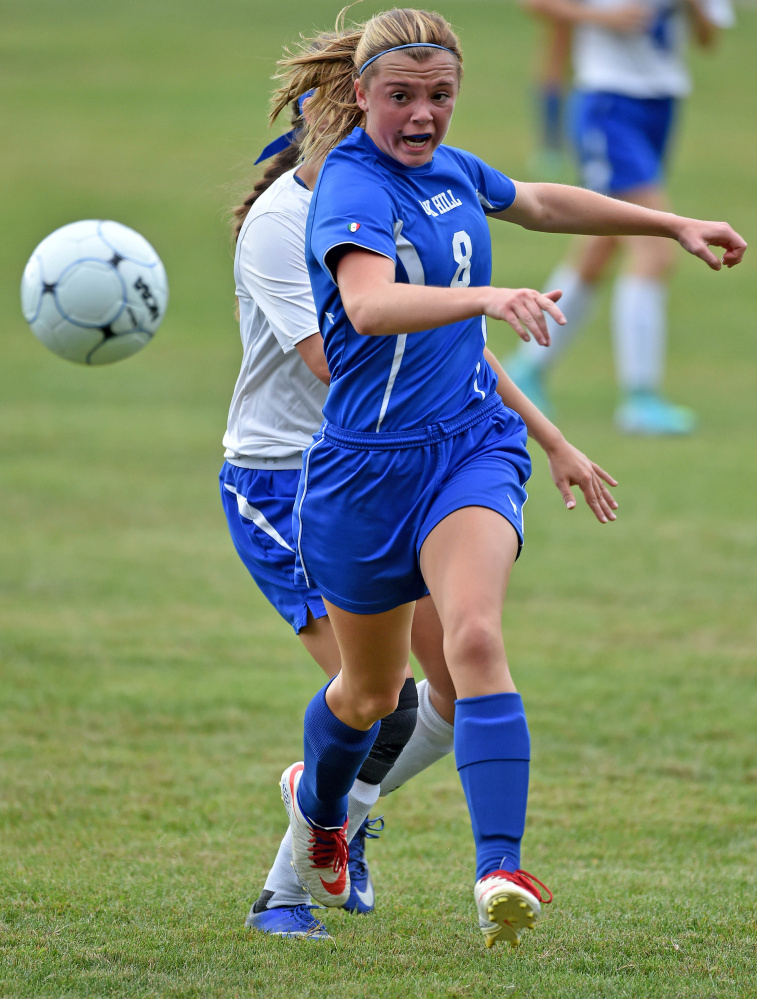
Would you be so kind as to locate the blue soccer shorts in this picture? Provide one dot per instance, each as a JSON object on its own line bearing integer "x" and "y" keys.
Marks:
{"x": 620, "y": 141}
{"x": 367, "y": 502}
{"x": 258, "y": 505}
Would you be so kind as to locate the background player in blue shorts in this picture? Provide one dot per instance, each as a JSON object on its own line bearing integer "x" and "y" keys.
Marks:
{"x": 416, "y": 478}
{"x": 630, "y": 74}
{"x": 275, "y": 410}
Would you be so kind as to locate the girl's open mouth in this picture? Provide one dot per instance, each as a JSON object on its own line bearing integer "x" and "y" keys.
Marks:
{"x": 416, "y": 141}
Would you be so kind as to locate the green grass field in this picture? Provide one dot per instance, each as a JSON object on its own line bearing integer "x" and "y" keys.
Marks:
{"x": 150, "y": 698}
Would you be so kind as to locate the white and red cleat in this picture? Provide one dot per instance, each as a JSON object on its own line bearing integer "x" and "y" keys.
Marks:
{"x": 508, "y": 903}
{"x": 319, "y": 854}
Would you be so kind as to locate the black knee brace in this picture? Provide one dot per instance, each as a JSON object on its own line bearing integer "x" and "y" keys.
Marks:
{"x": 393, "y": 735}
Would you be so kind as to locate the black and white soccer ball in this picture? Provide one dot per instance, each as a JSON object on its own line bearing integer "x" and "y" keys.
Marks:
{"x": 94, "y": 292}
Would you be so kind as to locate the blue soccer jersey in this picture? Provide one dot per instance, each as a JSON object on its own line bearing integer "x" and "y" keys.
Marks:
{"x": 431, "y": 222}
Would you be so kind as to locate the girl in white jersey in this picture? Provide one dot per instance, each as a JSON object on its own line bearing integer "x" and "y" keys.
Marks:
{"x": 630, "y": 73}
{"x": 275, "y": 410}
{"x": 420, "y": 484}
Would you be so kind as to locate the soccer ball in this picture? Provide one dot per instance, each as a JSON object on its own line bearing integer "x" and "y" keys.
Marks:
{"x": 94, "y": 292}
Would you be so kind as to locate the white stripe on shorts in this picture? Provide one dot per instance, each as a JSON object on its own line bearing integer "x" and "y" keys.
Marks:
{"x": 252, "y": 513}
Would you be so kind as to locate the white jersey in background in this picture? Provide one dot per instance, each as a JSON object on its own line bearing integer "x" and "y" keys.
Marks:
{"x": 644, "y": 64}
{"x": 277, "y": 401}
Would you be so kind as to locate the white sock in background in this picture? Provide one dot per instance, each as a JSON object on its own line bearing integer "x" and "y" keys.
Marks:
{"x": 432, "y": 739}
{"x": 639, "y": 332}
{"x": 576, "y": 302}
{"x": 361, "y": 799}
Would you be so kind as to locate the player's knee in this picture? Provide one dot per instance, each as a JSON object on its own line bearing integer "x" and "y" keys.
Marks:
{"x": 374, "y": 705}
{"x": 475, "y": 643}
{"x": 396, "y": 729}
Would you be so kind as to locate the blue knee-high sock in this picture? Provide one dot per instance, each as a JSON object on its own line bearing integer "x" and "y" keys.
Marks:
{"x": 493, "y": 749}
{"x": 334, "y": 753}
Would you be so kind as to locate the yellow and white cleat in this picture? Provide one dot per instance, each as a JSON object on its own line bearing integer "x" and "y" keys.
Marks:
{"x": 508, "y": 903}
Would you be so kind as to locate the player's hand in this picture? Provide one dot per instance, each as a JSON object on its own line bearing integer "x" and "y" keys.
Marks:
{"x": 697, "y": 237}
{"x": 570, "y": 467}
{"x": 631, "y": 19}
{"x": 523, "y": 309}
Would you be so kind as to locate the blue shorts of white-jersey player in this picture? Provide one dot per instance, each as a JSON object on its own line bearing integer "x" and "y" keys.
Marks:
{"x": 258, "y": 505}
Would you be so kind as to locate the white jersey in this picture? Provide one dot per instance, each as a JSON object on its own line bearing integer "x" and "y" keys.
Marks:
{"x": 641, "y": 64}
{"x": 277, "y": 401}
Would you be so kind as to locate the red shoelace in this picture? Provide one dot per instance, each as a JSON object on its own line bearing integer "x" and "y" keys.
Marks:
{"x": 525, "y": 880}
{"x": 328, "y": 848}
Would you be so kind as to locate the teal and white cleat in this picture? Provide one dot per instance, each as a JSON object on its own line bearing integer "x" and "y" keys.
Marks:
{"x": 508, "y": 903}
{"x": 648, "y": 414}
{"x": 319, "y": 854}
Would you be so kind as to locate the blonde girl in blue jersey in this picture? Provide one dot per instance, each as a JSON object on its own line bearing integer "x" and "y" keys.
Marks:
{"x": 275, "y": 410}
{"x": 416, "y": 477}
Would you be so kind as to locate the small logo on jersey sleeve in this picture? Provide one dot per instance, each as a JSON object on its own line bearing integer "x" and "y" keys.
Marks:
{"x": 353, "y": 226}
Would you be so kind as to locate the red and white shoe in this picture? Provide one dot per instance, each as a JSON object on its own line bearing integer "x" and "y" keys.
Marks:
{"x": 508, "y": 903}
{"x": 319, "y": 854}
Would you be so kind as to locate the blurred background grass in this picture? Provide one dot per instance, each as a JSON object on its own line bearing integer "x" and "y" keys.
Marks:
{"x": 144, "y": 720}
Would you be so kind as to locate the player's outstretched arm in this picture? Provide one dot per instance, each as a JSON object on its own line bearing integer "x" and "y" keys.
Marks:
{"x": 567, "y": 465}
{"x": 559, "y": 208}
{"x": 378, "y": 306}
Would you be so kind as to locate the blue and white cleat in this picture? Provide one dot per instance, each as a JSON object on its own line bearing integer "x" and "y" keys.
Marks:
{"x": 362, "y": 896}
{"x": 288, "y": 921}
{"x": 647, "y": 414}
